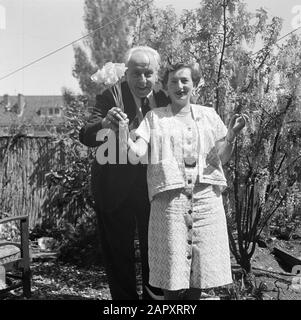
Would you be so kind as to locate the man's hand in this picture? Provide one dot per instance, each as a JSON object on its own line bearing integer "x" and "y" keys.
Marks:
{"x": 113, "y": 117}
{"x": 236, "y": 124}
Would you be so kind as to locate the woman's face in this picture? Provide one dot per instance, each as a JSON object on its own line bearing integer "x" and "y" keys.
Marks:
{"x": 179, "y": 86}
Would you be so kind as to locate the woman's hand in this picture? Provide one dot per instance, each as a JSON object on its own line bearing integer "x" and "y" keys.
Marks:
{"x": 236, "y": 124}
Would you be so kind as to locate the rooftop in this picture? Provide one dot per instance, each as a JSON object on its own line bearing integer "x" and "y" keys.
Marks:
{"x": 33, "y": 110}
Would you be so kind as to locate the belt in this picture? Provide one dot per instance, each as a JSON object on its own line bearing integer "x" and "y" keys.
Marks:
{"x": 190, "y": 165}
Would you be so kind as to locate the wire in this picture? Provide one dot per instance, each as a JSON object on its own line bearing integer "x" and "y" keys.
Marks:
{"x": 288, "y": 34}
{"x": 71, "y": 43}
{"x": 291, "y": 32}
{"x": 92, "y": 32}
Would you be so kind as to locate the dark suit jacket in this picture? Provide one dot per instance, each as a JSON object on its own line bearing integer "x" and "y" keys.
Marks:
{"x": 112, "y": 183}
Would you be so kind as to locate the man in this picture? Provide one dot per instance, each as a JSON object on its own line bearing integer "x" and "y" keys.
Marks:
{"x": 120, "y": 190}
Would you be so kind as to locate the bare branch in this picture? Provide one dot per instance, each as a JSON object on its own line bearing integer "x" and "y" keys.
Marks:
{"x": 222, "y": 55}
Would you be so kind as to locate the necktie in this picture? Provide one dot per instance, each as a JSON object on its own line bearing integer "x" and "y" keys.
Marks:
{"x": 144, "y": 106}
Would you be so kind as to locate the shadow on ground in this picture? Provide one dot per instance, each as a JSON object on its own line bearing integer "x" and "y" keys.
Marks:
{"x": 53, "y": 280}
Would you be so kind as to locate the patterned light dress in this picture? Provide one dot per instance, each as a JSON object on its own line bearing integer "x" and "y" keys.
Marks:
{"x": 188, "y": 240}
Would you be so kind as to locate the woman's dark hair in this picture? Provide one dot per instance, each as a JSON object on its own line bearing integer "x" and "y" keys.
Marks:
{"x": 194, "y": 68}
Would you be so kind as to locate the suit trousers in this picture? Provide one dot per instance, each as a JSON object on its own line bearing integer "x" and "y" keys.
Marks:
{"x": 117, "y": 231}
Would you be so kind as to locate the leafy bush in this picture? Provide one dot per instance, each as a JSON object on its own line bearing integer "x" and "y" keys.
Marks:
{"x": 68, "y": 183}
{"x": 69, "y": 204}
{"x": 75, "y": 244}
{"x": 283, "y": 226}
{"x": 46, "y": 229}
{"x": 80, "y": 245}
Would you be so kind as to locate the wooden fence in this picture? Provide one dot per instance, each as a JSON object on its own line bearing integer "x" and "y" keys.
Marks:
{"x": 24, "y": 161}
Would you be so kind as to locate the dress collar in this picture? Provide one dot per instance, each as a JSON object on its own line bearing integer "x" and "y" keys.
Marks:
{"x": 195, "y": 110}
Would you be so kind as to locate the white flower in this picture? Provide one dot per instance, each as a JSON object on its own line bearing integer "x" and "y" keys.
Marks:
{"x": 109, "y": 74}
{"x": 120, "y": 69}
{"x": 99, "y": 76}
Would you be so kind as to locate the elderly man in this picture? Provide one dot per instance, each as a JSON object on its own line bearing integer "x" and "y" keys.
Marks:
{"x": 120, "y": 190}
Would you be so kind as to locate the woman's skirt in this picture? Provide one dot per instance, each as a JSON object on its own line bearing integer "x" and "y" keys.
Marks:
{"x": 188, "y": 239}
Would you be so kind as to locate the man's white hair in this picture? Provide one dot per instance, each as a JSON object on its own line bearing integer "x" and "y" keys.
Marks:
{"x": 145, "y": 49}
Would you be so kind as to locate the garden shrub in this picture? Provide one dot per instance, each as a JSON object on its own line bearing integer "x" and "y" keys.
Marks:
{"x": 80, "y": 245}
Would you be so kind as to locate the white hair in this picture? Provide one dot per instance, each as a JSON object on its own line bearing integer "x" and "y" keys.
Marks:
{"x": 145, "y": 49}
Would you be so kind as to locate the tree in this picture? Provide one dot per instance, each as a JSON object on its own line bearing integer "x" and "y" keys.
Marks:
{"x": 159, "y": 29}
{"x": 142, "y": 23}
{"x": 217, "y": 35}
{"x": 266, "y": 164}
{"x": 108, "y": 24}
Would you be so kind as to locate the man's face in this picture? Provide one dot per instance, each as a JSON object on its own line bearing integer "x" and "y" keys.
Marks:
{"x": 141, "y": 74}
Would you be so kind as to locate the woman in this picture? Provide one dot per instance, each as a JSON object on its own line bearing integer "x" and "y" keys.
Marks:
{"x": 186, "y": 146}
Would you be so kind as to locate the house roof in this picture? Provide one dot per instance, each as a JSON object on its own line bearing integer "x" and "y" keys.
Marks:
{"x": 32, "y": 105}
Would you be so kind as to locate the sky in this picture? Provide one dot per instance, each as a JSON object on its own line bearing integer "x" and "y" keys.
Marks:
{"x": 30, "y": 29}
